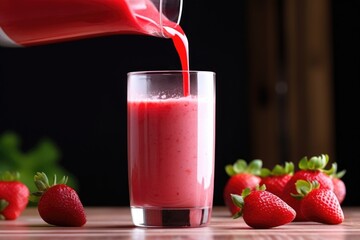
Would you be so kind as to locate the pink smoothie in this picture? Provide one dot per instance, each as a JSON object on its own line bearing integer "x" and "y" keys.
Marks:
{"x": 171, "y": 153}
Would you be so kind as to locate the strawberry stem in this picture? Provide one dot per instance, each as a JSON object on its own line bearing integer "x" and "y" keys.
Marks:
{"x": 314, "y": 163}
{"x": 340, "y": 174}
{"x": 333, "y": 171}
{"x": 3, "y": 204}
{"x": 241, "y": 166}
{"x": 278, "y": 170}
{"x": 246, "y": 192}
{"x": 239, "y": 202}
{"x": 304, "y": 187}
{"x": 10, "y": 176}
{"x": 42, "y": 183}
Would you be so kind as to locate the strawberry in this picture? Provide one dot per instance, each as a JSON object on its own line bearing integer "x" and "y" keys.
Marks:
{"x": 339, "y": 185}
{"x": 318, "y": 204}
{"x": 14, "y": 196}
{"x": 242, "y": 175}
{"x": 310, "y": 170}
{"x": 276, "y": 179}
{"x": 58, "y": 204}
{"x": 262, "y": 209}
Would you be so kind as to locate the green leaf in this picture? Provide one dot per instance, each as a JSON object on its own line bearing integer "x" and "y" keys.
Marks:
{"x": 64, "y": 180}
{"x": 229, "y": 170}
{"x": 277, "y": 170}
{"x": 43, "y": 157}
{"x": 240, "y": 166}
{"x": 289, "y": 167}
{"x": 264, "y": 172}
{"x": 9, "y": 151}
{"x": 303, "y": 163}
{"x": 255, "y": 166}
{"x": 41, "y": 185}
{"x": 9, "y": 141}
{"x": 237, "y": 200}
{"x": 237, "y": 215}
{"x": 332, "y": 171}
{"x": 261, "y": 188}
{"x": 10, "y": 176}
{"x": 3, "y": 204}
{"x": 246, "y": 192}
{"x": 340, "y": 174}
{"x": 314, "y": 163}
{"x": 304, "y": 187}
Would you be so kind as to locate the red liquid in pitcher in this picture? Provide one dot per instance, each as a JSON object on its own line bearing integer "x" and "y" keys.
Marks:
{"x": 33, "y": 22}
{"x": 36, "y": 22}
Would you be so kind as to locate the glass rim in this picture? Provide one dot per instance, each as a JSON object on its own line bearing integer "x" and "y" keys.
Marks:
{"x": 164, "y": 72}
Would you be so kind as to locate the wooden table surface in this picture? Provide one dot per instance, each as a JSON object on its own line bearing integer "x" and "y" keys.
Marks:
{"x": 115, "y": 223}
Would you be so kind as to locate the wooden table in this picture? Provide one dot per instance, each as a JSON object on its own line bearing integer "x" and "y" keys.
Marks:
{"x": 115, "y": 223}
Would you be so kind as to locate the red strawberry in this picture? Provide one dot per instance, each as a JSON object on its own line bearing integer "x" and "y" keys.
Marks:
{"x": 58, "y": 204}
{"x": 310, "y": 170}
{"x": 242, "y": 175}
{"x": 318, "y": 204}
{"x": 339, "y": 189}
{"x": 14, "y": 196}
{"x": 276, "y": 179}
{"x": 262, "y": 209}
{"x": 339, "y": 185}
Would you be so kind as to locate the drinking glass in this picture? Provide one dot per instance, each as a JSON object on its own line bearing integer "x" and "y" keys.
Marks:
{"x": 171, "y": 147}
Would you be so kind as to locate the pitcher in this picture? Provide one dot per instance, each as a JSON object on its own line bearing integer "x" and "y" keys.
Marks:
{"x": 36, "y": 22}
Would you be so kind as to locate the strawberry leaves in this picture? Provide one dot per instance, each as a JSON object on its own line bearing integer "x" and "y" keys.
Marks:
{"x": 42, "y": 183}
{"x": 241, "y": 166}
{"x": 278, "y": 170}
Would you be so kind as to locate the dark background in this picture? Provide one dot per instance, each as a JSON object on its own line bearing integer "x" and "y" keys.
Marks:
{"x": 75, "y": 94}
{"x": 346, "y": 61}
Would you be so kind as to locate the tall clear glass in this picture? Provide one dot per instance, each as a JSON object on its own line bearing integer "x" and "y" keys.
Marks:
{"x": 171, "y": 148}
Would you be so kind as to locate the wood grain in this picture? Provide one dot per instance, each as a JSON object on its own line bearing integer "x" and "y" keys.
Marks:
{"x": 115, "y": 223}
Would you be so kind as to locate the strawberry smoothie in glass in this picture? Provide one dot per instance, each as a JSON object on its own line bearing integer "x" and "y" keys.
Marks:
{"x": 171, "y": 146}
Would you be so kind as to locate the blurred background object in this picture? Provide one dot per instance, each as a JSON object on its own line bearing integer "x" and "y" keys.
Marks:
{"x": 294, "y": 89}
{"x": 287, "y": 81}
{"x": 42, "y": 157}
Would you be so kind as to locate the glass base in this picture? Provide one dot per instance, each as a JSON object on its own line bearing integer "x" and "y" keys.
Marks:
{"x": 170, "y": 217}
